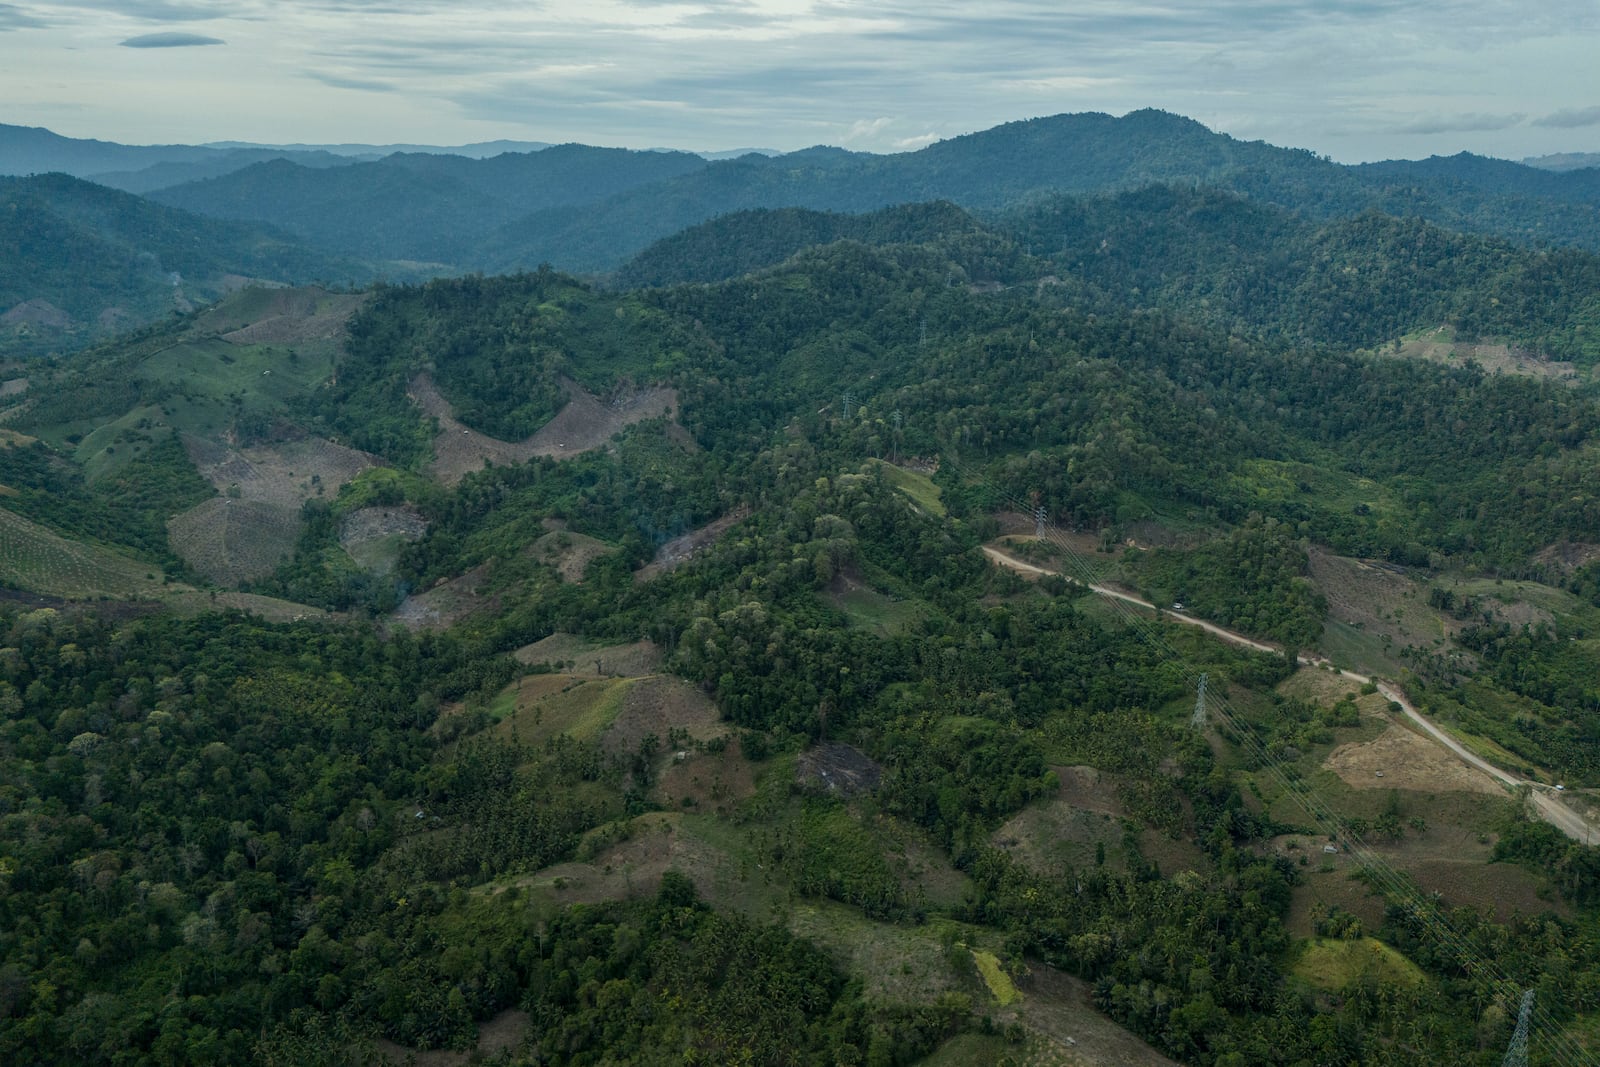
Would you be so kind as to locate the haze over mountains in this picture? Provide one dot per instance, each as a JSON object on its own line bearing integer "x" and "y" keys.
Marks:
{"x": 757, "y": 650}
{"x": 352, "y": 214}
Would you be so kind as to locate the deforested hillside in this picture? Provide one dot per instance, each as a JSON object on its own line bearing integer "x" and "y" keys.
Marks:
{"x": 80, "y": 262}
{"x": 1076, "y": 633}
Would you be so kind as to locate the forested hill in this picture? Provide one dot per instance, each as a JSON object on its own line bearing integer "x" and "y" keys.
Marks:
{"x": 1209, "y": 255}
{"x": 422, "y": 206}
{"x": 707, "y": 730}
{"x": 743, "y": 241}
{"x": 80, "y": 262}
{"x": 590, "y": 211}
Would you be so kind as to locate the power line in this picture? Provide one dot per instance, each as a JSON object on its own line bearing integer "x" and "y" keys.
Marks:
{"x": 1389, "y": 881}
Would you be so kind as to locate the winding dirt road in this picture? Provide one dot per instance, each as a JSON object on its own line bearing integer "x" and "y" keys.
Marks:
{"x": 1545, "y": 803}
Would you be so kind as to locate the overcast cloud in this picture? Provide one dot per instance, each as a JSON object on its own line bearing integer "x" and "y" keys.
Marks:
{"x": 1356, "y": 79}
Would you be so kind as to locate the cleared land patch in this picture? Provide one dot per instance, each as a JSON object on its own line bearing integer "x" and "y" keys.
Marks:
{"x": 1440, "y": 346}
{"x": 284, "y": 475}
{"x": 244, "y": 534}
{"x": 373, "y": 536}
{"x": 1051, "y": 834}
{"x": 41, "y": 561}
{"x": 232, "y": 541}
{"x": 680, "y": 550}
{"x": 1336, "y": 965}
{"x": 1401, "y": 759}
{"x": 569, "y": 553}
{"x": 583, "y": 656}
{"x": 285, "y": 316}
{"x": 585, "y": 423}
{"x": 447, "y": 603}
{"x": 1380, "y": 610}
{"x": 869, "y": 609}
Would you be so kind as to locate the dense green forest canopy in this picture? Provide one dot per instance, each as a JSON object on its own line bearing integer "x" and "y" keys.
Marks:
{"x": 224, "y": 839}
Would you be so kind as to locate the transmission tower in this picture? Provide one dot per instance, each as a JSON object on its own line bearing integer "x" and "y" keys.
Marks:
{"x": 1517, "y": 1054}
{"x": 849, "y": 399}
{"x": 1038, "y": 521}
{"x": 1199, "y": 719}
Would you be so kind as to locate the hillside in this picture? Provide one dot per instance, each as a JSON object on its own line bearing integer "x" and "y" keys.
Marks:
{"x": 915, "y": 637}
{"x": 421, "y": 207}
{"x": 80, "y": 262}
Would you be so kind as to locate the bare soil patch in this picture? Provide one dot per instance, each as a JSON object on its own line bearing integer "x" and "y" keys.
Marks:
{"x": 585, "y": 657}
{"x": 1564, "y": 556}
{"x": 1400, "y": 759}
{"x": 1089, "y": 789}
{"x": 680, "y": 550}
{"x": 837, "y": 768}
{"x": 13, "y": 387}
{"x": 584, "y": 424}
{"x": 1059, "y": 1007}
{"x": 446, "y": 603}
{"x": 706, "y": 781}
{"x": 569, "y": 553}
{"x": 373, "y": 536}
{"x": 655, "y": 706}
{"x": 1052, "y": 834}
{"x": 285, "y": 474}
{"x": 503, "y": 1033}
{"x": 232, "y": 541}
{"x": 37, "y": 312}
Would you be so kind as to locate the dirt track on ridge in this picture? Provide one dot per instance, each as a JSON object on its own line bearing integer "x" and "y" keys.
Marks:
{"x": 1545, "y": 803}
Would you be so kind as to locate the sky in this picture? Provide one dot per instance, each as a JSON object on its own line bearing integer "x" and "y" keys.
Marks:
{"x": 1351, "y": 79}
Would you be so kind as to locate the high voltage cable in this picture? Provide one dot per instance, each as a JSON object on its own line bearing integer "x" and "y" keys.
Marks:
{"x": 1392, "y": 883}
{"x": 1307, "y": 799}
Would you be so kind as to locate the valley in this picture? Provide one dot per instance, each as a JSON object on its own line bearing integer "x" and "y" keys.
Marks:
{"x": 786, "y": 642}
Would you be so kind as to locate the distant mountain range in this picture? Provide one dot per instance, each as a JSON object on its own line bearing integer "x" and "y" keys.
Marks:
{"x": 535, "y": 215}
{"x": 351, "y": 212}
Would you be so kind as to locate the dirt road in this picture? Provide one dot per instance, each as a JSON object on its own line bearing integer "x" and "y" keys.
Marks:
{"x": 1545, "y": 803}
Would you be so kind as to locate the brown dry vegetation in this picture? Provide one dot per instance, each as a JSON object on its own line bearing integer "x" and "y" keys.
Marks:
{"x": 1089, "y": 789}
{"x": 586, "y": 657}
{"x": 447, "y": 603}
{"x": 1401, "y": 759}
{"x": 706, "y": 781}
{"x": 231, "y": 541}
{"x": 584, "y": 424}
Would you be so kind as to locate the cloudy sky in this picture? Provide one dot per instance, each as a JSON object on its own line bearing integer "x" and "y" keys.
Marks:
{"x": 1355, "y": 79}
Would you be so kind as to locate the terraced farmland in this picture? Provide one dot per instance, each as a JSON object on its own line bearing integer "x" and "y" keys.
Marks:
{"x": 34, "y": 558}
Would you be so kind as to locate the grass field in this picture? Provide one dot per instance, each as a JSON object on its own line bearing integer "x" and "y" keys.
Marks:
{"x": 1338, "y": 965}
{"x": 916, "y": 485}
{"x": 868, "y": 609}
